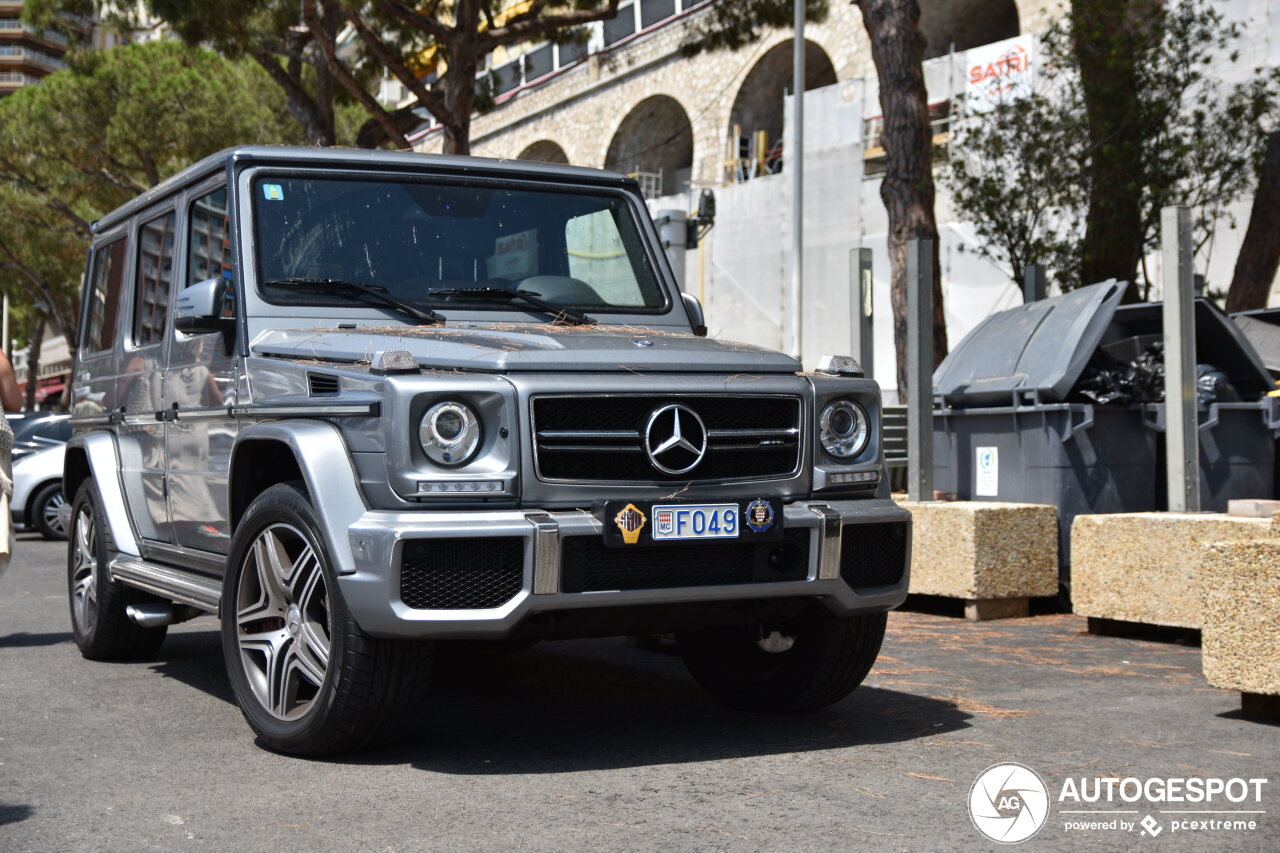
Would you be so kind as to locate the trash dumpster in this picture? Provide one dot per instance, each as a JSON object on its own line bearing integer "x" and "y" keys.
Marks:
{"x": 1061, "y": 402}
{"x": 1262, "y": 328}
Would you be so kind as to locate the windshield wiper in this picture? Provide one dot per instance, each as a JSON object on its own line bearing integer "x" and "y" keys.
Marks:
{"x": 330, "y": 285}
{"x": 572, "y": 316}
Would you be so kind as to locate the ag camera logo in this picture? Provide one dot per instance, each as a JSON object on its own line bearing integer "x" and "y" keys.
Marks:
{"x": 1009, "y": 803}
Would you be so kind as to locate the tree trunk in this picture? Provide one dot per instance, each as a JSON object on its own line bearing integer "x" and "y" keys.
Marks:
{"x": 1260, "y": 252}
{"x": 459, "y": 81}
{"x": 33, "y": 363}
{"x": 1109, "y": 36}
{"x": 897, "y": 47}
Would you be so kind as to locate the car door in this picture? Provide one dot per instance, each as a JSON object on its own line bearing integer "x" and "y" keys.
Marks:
{"x": 199, "y": 388}
{"x": 95, "y": 382}
{"x": 141, "y": 434}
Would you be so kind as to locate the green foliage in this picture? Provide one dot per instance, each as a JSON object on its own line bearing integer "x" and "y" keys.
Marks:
{"x": 1022, "y": 172}
{"x": 113, "y": 124}
{"x": 1015, "y": 174}
{"x": 733, "y": 25}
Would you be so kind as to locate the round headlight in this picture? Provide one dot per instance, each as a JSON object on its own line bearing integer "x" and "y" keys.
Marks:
{"x": 844, "y": 429}
{"x": 450, "y": 433}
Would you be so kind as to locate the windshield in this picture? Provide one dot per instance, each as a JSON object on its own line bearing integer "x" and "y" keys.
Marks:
{"x": 413, "y": 239}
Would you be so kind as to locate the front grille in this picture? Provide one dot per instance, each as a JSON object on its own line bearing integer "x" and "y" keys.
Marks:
{"x": 873, "y": 554}
{"x": 588, "y": 566}
{"x": 600, "y": 437}
{"x": 461, "y": 574}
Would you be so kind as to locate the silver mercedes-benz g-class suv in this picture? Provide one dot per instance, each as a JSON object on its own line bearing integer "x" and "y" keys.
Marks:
{"x": 362, "y": 404}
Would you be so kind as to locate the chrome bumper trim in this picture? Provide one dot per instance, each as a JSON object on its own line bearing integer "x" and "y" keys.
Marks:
{"x": 546, "y": 553}
{"x": 831, "y": 532}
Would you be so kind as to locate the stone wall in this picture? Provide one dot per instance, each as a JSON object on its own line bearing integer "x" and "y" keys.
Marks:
{"x": 582, "y": 108}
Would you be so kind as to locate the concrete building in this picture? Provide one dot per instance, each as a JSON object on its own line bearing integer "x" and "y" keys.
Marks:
{"x": 27, "y": 53}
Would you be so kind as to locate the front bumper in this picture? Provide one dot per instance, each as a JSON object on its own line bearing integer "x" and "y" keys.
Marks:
{"x": 372, "y": 589}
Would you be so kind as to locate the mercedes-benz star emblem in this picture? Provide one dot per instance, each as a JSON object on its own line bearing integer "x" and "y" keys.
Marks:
{"x": 675, "y": 439}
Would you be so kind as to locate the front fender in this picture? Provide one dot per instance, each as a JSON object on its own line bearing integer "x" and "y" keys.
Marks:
{"x": 326, "y": 469}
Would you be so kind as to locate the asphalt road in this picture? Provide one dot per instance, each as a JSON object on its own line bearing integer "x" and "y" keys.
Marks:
{"x": 597, "y": 745}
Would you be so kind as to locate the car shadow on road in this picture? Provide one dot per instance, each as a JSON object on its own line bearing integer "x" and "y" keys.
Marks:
{"x": 15, "y": 812}
{"x": 195, "y": 659}
{"x": 23, "y": 640}
{"x": 592, "y": 705}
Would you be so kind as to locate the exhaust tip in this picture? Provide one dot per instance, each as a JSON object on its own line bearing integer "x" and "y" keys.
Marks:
{"x": 151, "y": 615}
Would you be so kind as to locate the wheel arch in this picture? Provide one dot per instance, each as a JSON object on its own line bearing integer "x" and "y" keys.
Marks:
{"x": 311, "y": 451}
{"x": 96, "y": 455}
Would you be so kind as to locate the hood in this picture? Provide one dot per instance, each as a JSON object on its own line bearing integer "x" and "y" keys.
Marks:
{"x": 514, "y": 347}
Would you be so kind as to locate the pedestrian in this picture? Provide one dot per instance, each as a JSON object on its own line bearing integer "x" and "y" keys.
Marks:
{"x": 11, "y": 399}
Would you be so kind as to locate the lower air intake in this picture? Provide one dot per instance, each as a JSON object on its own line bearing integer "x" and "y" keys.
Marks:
{"x": 461, "y": 574}
{"x": 873, "y": 555}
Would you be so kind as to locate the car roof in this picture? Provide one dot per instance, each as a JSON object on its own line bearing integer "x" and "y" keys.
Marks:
{"x": 361, "y": 159}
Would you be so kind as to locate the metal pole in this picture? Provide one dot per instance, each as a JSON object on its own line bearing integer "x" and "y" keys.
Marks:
{"x": 1034, "y": 287}
{"x": 4, "y": 332}
{"x": 862, "y": 313}
{"x": 795, "y": 165}
{"x": 1182, "y": 439}
{"x": 920, "y": 370}
{"x": 673, "y": 228}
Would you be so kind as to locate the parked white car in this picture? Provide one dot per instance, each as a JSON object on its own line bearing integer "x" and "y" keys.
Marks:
{"x": 37, "y": 492}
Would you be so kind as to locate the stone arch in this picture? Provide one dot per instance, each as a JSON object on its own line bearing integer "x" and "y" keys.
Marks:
{"x": 966, "y": 24}
{"x": 655, "y": 138}
{"x": 758, "y": 105}
{"x": 544, "y": 151}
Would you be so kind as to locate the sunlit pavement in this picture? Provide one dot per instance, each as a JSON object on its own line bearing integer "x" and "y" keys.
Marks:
{"x": 599, "y": 745}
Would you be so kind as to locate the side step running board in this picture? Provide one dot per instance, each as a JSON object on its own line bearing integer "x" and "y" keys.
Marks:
{"x": 184, "y": 587}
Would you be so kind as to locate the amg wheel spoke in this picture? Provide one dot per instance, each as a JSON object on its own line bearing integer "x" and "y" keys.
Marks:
{"x": 310, "y": 581}
{"x": 308, "y": 666}
{"x": 314, "y": 648}
{"x": 270, "y": 589}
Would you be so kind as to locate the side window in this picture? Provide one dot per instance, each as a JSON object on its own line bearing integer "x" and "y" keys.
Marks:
{"x": 210, "y": 253}
{"x": 155, "y": 272}
{"x": 104, "y": 295}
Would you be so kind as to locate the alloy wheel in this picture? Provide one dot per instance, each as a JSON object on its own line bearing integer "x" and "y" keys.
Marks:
{"x": 283, "y": 623}
{"x": 84, "y": 577}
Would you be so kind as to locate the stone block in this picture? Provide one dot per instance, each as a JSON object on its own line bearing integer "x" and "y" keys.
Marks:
{"x": 980, "y": 551}
{"x": 1145, "y": 566}
{"x": 1241, "y": 609}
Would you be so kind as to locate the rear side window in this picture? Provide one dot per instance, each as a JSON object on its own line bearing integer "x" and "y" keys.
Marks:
{"x": 210, "y": 253}
{"x": 104, "y": 295}
{"x": 155, "y": 272}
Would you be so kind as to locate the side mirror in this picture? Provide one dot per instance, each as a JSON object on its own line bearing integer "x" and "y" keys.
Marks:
{"x": 199, "y": 308}
{"x": 693, "y": 308}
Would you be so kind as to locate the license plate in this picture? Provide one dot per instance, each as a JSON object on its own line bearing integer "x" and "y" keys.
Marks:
{"x": 638, "y": 522}
{"x": 695, "y": 521}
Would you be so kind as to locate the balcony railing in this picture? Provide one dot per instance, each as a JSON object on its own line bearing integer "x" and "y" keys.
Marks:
{"x": 35, "y": 57}
{"x": 35, "y": 32}
{"x": 10, "y": 79}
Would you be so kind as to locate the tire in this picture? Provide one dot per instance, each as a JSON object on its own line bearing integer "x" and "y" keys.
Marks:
{"x": 44, "y": 511}
{"x": 308, "y": 680}
{"x": 815, "y": 660}
{"x": 101, "y": 628}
